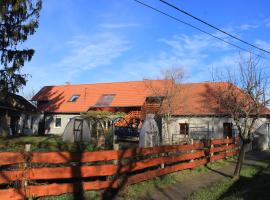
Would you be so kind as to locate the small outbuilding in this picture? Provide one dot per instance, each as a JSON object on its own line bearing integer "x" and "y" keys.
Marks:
{"x": 15, "y": 115}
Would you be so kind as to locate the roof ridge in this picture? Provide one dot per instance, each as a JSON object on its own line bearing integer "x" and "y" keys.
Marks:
{"x": 203, "y": 82}
{"x": 102, "y": 83}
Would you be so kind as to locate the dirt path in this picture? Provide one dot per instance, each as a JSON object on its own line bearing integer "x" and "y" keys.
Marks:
{"x": 182, "y": 190}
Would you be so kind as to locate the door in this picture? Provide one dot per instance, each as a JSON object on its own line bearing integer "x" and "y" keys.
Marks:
{"x": 227, "y": 130}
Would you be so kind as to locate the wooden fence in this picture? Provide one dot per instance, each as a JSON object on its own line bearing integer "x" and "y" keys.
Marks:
{"x": 52, "y": 173}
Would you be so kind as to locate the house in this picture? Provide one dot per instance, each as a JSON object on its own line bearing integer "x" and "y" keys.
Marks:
{"x": 58, "y": 104}
{"x": 196, "y": 113}
{"x": 15, "y": 115}
{"x": 201, "y": 116}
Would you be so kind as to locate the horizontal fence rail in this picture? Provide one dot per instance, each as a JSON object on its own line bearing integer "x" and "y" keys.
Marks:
{"x": 26, "y": 174}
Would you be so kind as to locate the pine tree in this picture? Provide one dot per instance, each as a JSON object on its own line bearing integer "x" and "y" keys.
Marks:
{"x": 18, "y": 20}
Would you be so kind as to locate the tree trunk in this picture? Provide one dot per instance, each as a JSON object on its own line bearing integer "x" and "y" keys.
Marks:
{"x": 169, "y": 131}
{"x": 240, "y": 161}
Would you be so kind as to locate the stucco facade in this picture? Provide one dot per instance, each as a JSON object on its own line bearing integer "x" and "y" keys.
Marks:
{"x": 198, "y": 128}
{"x": 52, "y": 126}
{"x": 212, "y": 127}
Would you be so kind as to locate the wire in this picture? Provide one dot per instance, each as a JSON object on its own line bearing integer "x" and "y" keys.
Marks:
{"x": 174, "y": 18}
{"x": 212, "y": 26}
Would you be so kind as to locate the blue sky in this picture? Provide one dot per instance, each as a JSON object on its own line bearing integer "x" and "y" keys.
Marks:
{"x": 87, "y": 41}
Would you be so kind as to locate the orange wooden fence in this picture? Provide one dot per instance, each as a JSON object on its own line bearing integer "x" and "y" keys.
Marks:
{"x": 53, "y": 173}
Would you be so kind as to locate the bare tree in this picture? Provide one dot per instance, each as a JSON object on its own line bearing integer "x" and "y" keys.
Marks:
{"x": 29, "y": 95}
{"x": 243, "y": 97}
{"x": 168, "y": 92}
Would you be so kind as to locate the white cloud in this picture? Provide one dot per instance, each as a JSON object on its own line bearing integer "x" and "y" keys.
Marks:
{"x": 263, "y": 44}
{"x": 83, "y": 53}
{"x": 118, "y": 25}
{"x": 267, "y": 22}
{"x": 91, "y": 52}
{"x": 198, "y": 54}
{"x": 198, "y": 45}
{"x": 188, "y": 51}
{"x": 245, "y": 27}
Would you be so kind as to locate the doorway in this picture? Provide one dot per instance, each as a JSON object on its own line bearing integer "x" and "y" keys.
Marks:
{"x": 227, "y": 130}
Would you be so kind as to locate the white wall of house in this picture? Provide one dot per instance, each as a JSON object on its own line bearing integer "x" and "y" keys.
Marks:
{"x": 51, "y": 125}
{"x": 262, "y": 134}
{"x": 29, "y": 124}
{"x": 214, "y": 125}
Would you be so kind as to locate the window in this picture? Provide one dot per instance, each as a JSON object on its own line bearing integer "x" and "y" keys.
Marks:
{"x": 105, "y": 100}
{"x": 227, "y": 129}
{"x": 183, "y": 128}
{"x": 154, "y": 99}
{"x": 57, "y": 122}
{"x": 74, "y": 98}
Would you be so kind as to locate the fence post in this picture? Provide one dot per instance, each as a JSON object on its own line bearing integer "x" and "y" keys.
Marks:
{"x": 115, "y": 145}
{"x": 227, "y": 144}
{"x": 27, "y": 150}
{"x": 162, "y": 165}
{"x": 116, "y": 148}
{"x": 211, "y": 147}
{"x": 192, "y": 151}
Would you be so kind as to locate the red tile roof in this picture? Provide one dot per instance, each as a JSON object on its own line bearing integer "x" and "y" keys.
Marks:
{"x": 203, "y": 98}
{"x": 127, "y": 94}
{"x": 196, "y": 99}
{"x": 193, "y": 98}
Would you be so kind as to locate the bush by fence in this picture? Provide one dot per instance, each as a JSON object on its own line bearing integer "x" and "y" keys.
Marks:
{"x": 42, "y": 174}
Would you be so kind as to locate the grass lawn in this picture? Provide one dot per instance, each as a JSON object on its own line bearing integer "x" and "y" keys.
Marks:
{"x": 87, "y": 195}
{"x": 253, "y": 184}
{"x": 133, "y": 191}
{"x": 41, "y": 144}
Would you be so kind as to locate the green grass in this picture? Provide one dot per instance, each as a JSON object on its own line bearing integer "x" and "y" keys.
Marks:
{"x": 133, "y": 191}
{"x": 42, "y": 144}
{"x": 253, "y": 184}
{"x": 87, "y": 195}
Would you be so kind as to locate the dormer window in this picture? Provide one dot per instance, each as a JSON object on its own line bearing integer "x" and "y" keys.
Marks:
{"x": 74, "y": 98}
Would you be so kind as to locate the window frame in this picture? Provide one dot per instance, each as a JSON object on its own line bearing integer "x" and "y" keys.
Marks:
{"x": 74, "y": 98}
{"x": 56, "y": 120}
{"x": 186, "y": 129}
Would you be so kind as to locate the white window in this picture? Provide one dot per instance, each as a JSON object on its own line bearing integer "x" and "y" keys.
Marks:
{"x": 57, "y": 122}
{"x": 74, "y": 98}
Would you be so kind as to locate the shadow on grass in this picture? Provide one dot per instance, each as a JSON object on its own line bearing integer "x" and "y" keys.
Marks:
{"x": 250, "y": 188}
{"x": 219, "y": 172}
